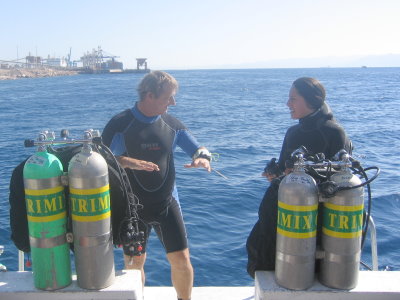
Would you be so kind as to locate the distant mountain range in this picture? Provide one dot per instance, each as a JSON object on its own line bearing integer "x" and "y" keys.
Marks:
{"x": 388, "y": 60}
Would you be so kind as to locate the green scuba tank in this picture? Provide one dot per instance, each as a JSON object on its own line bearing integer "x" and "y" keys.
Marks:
{"x": 45, "y": 205}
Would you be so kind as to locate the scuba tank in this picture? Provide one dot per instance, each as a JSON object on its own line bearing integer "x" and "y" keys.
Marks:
{"x": 296, "y": 228}
{"x": 89, "y": 206}
{"x": 342, "y": 229}
{"x": 46, "y": 212}
{"x": 91, "y": 223}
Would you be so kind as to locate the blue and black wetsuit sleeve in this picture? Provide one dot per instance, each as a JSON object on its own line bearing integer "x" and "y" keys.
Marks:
{"x": 187, "y": 142}
{"x": 115, "y": 127}
{"x": 183, "y": 138}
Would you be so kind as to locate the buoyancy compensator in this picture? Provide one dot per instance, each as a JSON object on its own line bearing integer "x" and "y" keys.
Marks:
{"x": 123, "y": 203}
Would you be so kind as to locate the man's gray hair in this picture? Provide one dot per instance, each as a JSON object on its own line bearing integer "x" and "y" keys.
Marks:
{"x": 156, "y": 82}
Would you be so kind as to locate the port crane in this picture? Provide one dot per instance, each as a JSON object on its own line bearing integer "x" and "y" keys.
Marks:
{"x": 94, "y": 60}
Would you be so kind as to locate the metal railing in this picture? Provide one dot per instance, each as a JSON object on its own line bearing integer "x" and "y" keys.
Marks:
{"x": 374, "y": 245}
{"x": 3, "y": 268}
{"x": 21, "y": 266}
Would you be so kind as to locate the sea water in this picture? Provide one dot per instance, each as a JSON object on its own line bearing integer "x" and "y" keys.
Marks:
{"x": 242, "y": 116}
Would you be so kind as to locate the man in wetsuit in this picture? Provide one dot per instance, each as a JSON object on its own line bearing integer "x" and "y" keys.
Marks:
{"x": 318, "y": 132}
{"x": 144, "y": 138}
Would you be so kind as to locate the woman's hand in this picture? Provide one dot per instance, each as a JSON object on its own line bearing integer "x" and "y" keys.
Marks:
{"x": 268, "y": 175}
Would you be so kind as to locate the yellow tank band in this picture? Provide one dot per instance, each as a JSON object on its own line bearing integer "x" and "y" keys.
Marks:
{"x": 89, "y": 191}
{"x": 297, "y": 235}
{"x": 344, "y": 207}
{"x": 345, "y": 235}
{"x": 47, "y": 218}
{"x": 297, "y": 207}
{"x": 45, "y": 192}
{"x": 91, "y": 218}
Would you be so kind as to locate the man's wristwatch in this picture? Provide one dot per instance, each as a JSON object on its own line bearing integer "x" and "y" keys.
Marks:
{"x": 202, "y": 153}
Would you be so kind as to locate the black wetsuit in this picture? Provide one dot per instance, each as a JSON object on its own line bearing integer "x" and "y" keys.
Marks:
{"x": 261, "y": 242}
{"x": 319, "y": 133}
{"x": 132, "y": 134}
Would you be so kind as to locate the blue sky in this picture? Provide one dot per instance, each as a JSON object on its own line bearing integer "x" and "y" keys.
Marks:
{"x": 177, "y": 34}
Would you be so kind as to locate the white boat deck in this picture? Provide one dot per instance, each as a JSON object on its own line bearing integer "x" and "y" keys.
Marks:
{"x": 372, "y": 285}
{"x": 128, "y": 285}
{"x": 19, "y": 286}
{"x": 202, "y": 293}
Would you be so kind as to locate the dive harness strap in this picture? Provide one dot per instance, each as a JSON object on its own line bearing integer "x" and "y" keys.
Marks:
{"x": 48, "y": 242}
{"x": 202, "y": 153}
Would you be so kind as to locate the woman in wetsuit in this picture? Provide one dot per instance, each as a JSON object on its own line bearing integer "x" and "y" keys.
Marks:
{"x": 318, "y": 132}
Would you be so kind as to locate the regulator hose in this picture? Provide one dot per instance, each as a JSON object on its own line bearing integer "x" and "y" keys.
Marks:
{"x": 329, "y": 188}
{"x": 129, "y": 227}
{"x": 368, "y": 213}
{"x": 367, "y": 182}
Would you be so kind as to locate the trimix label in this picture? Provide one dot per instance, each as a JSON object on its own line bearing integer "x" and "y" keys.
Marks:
{"x": 90, "y": 205}
{"x": 297, "y": 221}
{"x": 45, "y": 205}
{"x": 342, "y": 221}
